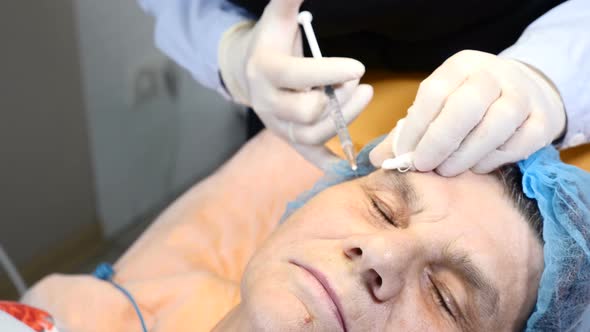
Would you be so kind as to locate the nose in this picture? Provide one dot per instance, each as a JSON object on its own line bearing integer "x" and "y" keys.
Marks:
{"x": 384, "y": 262}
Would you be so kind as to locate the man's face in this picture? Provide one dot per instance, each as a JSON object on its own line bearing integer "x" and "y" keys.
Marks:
{"x": 392, "y": 252}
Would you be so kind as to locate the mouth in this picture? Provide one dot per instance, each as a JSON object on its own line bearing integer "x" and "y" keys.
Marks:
{"x": 323, "y": 281}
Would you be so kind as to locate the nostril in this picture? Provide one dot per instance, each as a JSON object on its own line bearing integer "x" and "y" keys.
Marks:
{"x": 353, "y": 253}
{"x": 357, "y": 251}
{"x": 374, "y": 282}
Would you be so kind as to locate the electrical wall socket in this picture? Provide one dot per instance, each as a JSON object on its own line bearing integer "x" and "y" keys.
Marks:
{"x": 154, "y": 77}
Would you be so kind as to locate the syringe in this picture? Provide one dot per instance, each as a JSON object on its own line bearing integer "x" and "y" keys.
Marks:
{"x": 304, "y": 18}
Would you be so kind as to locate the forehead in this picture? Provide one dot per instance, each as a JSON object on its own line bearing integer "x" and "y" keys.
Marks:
{"x": 472, "y": 199}
{"x": 472, "y": 208}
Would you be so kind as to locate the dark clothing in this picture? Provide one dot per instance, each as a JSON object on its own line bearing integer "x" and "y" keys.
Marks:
{"x": 415, "y": 35}
{"x": 253, "y": 124}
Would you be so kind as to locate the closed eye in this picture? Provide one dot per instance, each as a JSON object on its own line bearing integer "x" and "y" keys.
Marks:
{"x": 381, "y": 211}
{"x": 441, "y": 299}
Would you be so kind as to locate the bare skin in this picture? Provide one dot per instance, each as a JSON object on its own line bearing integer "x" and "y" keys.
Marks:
{"x": 414, "y": 252}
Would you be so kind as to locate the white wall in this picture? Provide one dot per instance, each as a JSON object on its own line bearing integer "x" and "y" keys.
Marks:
{"x": 143, "y": 154}
{"x": 46, "y": 189}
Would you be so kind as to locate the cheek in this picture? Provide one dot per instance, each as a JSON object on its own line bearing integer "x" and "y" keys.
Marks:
{"x": 328, "y": 222}
{"x": 409, "y": 314}
{"x": 271, "y": 307}
{"x": 268, "y": 297}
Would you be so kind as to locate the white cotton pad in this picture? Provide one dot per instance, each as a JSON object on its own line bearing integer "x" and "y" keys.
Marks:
{"x": 402, "y": 163}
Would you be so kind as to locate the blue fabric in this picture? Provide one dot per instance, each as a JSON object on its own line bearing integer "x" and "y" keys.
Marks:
{"x": 563, "y": 194}
{"x": 189, "y": 32}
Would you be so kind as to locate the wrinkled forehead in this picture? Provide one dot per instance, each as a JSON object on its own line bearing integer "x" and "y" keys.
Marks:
{"x": 474, "y": 205}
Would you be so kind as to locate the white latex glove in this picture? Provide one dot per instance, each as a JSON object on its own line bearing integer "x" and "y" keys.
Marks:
{"x": 262, "y": 66}
{"x": 476, "y": 111}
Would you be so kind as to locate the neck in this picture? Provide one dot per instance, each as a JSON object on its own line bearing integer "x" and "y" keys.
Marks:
{"x": 235, "y": 320}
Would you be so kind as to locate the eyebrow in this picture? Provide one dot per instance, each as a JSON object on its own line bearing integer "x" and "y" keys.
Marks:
{"x": 399, "y": 184}
{"x": 460, "y": 262}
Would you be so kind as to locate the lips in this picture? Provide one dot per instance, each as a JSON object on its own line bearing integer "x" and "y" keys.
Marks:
{"x": 321, "y": 278}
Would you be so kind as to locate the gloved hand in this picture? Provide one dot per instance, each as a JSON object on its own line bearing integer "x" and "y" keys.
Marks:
{"x": 262, "y": 67}
{"x": 476, "y": 111}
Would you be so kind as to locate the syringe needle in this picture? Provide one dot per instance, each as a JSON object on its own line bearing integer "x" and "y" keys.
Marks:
{"x": 350, "y": 156}
{"x": 304, "y": 18}
{"x": 341, "y": 130}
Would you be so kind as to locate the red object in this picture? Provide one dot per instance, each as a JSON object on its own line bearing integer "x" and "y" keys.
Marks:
{"x": 37, "y": 319}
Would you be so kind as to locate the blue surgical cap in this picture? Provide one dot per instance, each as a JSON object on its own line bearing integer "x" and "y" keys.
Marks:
{"x": 562, "y": 193}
